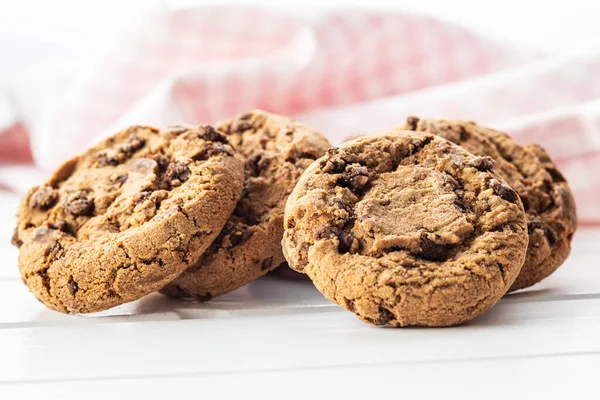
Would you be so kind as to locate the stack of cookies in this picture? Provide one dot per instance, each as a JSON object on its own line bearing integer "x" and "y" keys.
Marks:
{"x": 429, "y": 224}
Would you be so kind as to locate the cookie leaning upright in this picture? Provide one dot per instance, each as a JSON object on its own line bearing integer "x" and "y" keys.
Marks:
{"x": 546, "y": 196}
{"x": 406, "y": 229}
{"x": 276, "y": 150}
{"x": 126, "y": 217}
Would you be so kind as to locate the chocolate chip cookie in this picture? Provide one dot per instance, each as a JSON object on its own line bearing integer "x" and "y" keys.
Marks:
{"x": 276, "y": 151}
{"x": 406, "y": 229}
{"x": 548, "y": 202}
{"x": 126, "y": 217}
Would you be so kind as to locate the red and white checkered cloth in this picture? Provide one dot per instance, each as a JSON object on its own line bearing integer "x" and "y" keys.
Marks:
{"x": 342, "y": 72}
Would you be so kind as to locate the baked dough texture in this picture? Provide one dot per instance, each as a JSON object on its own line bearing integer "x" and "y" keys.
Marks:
{"x": 406, "y": 228}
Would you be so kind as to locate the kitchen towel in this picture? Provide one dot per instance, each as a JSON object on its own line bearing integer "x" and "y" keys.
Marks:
{"x": 343, "y": 72}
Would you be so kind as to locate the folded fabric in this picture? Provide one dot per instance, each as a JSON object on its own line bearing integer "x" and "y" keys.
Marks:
{"x": 342, "y": 72}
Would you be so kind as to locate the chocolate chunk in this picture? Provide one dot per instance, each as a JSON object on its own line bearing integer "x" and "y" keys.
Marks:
{"x": 133, "y": 145}
{"x": 409, "y": 264}
{"x": 162, "y": 162}
{"x": 334, "y": 164}
{"x": 267, "y": 263}
{"x": 258, "y": 164}
{"x": 141, "y": 197}
{"x": 245, "y": 236}
{"x": 533, "y": 224}
{"x": 239, "y": 125}
{"x": 450, "y": 182}
{"x": 155, "y": 197}
{"x": 53, "y": 251}
{"x": 72, "y": 287}
{"x": 15, "y": 241}
{"x": 45, "y": 278}
{"x": 349, "y": 224}
{"x": 62, "y": 226}
{"x": 201, "y": 155}
{"x": 550, "y": 234}
{"x": 177, "y": 173}
{"x": 81, "y": 207}
{"x": 482, "y": 163}
{"x": 433, "y": 251}
{"x": 239, "y": 236}
{"x": 324, "y": 232}
{"x": 210, "y": 134}
{"x": 463, "y": 134}
{"x": 42, "y": 234}
{"x": 144, "y": 166}
{"x": 419, "y": 144}
{"x": 461, "y": 204}
{"x": 79, "y": 204}
{"x": 120, "y": 179}
{"x": 120, "y": 153}
{"x": 340, "y": 204}
{"x": 109, "y": 157}
{"x": 219, "y": 148}
{"x": 254, "y": 165}
{"x": 345, "y": 239}
{"x": 43, "y": 198}
{"x": 355, "y": 177}
{"x": 412, "y": 122}
{"x": 504, "y": 191}
{"x": 384, "y": 316}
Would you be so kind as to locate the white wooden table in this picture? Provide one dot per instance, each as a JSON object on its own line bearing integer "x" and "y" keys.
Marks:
{"x": 282, "y": 339}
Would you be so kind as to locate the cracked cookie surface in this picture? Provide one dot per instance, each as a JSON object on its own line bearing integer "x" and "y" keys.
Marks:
{"x": 546, "y": 196}
{"x": 406, "y": 229}
{"x": 276, "y": 151}
{"x": 126, "y": 217}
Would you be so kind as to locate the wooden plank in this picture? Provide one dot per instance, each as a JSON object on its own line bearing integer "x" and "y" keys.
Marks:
{"x": 324, "y": 339}
{"x": 579, "y": 275}
{"x": 578, "y": 278}
{"x": 267, "y": 296}
{"x": 568, "y": 377}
